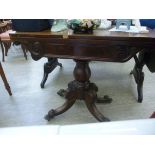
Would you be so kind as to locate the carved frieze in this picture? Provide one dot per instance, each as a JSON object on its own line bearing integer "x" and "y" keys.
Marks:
{"x": 103, "y": 52}
{"x": 35, "y": 48}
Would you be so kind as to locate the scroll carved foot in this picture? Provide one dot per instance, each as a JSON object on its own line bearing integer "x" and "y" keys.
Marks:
{"x": 54, "y": 112}
{"x": 62, "y": 92}
{"x": 50, "y": 115}
{"x": 106, "y": 99}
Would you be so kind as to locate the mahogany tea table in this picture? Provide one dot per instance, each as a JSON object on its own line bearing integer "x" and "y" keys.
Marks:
{"x": 102, "y": 45}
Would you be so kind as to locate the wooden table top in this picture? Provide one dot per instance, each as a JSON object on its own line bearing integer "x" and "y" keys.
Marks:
{"x": 102, "y": 45}
{"x": 98, "y": 34}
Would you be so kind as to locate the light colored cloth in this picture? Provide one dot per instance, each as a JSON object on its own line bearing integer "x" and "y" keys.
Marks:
{"x": 59, "y": 25}
{"x": 133, "y": 29}
{"x": 105, "y": 24}
{"x": 5, "y": 35}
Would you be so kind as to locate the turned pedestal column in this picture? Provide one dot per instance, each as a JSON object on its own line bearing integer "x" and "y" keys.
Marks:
{"x": 81, "y": 88}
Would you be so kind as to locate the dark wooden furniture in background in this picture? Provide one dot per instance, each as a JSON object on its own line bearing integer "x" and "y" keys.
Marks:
{"x": 5, "y": 41}
{"x": 3, "y": 28}
{"x": 99, "y": 46}
{"x": 5, "y": 80}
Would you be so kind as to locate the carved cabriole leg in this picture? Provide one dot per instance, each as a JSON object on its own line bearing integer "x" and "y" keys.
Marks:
{"x": 82, "y": 89}
{"x": 54, "y": 112}
{"x": 139, "y": 75}
{"x": 70, "y": 100}
{"x": 36, "y": 49}
{"x": 48, "y": 68}
{"x": 90, "y": 98}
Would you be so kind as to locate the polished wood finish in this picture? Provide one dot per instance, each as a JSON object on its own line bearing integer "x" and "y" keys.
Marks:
{"x": 48, "y": 68}
{"x": 81, "y": 89}
{"x": 99, "y": 46}
{"x": 138, "y": 74}
{"x": 5, "y": 80}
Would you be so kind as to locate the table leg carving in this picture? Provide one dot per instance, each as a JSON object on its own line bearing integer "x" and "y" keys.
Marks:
{"x": 90, "y": 98}
{"x": 139, "y": 78}
{"x": 139, "y": 75}
{"x": 81, "y": 89}
{"x": 62, "y": 92}
{"x": 54, "y": 112}
{"x": 48, "y": 68}
{"x": 105, "y": 99}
